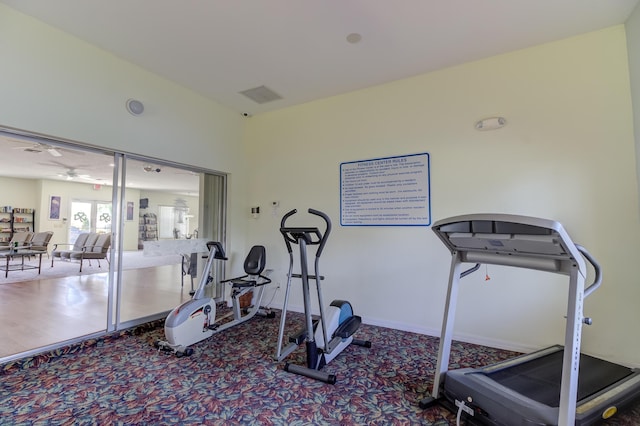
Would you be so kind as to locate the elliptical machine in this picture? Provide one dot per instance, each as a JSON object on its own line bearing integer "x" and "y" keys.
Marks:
{"x": 333, "y": 331}
{"x": 195, "y": 319}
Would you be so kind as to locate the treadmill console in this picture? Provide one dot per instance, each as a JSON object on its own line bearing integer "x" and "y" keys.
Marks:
{"x": 510, "y": 240}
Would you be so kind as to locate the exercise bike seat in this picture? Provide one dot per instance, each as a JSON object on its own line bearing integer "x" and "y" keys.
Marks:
{"x": 254, "y": 264}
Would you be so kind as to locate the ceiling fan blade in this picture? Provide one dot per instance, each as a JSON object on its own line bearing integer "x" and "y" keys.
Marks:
{"x": 54, "y": 152}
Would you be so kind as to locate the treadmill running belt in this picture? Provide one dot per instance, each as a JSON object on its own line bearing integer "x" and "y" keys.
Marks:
{"x": 539, "y": 379}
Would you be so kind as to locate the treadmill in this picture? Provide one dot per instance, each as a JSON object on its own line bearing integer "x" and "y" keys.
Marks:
{"x": 553, "y": 386}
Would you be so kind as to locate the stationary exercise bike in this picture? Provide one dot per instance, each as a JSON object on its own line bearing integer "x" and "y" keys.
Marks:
{"x": 333, "y": 331}
{"x": 195, "y": 320}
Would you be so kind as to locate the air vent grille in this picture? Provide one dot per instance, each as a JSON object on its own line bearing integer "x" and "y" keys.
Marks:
{"x": 261, "y": 94}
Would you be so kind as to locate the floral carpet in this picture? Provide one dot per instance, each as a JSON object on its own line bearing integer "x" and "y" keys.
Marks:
{"x": 232, "y": 379}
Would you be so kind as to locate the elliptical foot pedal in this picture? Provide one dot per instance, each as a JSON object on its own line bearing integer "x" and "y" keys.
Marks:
{"x": 299, "y": 337}
{"x": 348, "y": 327}
{"x": 364, "y": 343}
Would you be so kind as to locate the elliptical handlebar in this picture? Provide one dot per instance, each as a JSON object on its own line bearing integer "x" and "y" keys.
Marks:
{"x": 286, "y": 216}
{"x": 327, "y": 229}
{"x": 291, "y": 234}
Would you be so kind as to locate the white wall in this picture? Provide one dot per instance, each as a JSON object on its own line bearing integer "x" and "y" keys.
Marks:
{"x": 35, "y": 194}
{"x": 567, "y": 154}
{"x": 157, "y": 198}
{"x": 75, "y": 191}
{"x": 17, "y": 193}
{"x": 55, "y": 84}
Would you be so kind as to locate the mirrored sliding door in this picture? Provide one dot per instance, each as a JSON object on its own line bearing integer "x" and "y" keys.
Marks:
{"x": 105, "y": 193}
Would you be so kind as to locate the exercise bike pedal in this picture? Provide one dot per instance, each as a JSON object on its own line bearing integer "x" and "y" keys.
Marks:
{"x": 163, "y": 346}
{"x": 167, "y": 348}
{"x": 186, "y": 352}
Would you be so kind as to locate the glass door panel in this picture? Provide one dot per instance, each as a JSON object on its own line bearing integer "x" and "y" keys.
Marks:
{"x": 161, "y": 215}
{"x": 80, "y": 219}
{"x": 147, "y": 287}
{"x": 104, "y": 218}
{"x": 89, "y": 216}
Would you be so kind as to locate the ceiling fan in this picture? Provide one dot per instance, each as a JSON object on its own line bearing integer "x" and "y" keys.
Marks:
{"x": 36, "y": 147}
{"x": 71, "y": 171}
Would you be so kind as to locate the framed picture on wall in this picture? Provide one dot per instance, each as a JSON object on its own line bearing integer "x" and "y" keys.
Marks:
{"x": 129, "y": 210}
{"x": 54, "y": 207}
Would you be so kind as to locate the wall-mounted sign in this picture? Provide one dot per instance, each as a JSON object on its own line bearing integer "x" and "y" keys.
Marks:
{"x": 392, "y": 191}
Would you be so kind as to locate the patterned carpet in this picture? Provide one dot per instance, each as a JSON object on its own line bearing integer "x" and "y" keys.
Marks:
{"x": 232, "y": 379}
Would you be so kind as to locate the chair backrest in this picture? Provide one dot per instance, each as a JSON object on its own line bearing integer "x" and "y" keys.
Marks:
{"x": 41, "y": 239}
{"x": 91, "y": 241}
{"x": 102, "y": 243}
{"x": 22, "y": 238}
{"x": 256, "y": 260}
{"x": 80, "y": 241}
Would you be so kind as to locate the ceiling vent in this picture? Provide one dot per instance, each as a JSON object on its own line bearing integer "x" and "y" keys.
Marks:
{"x": 261, "y": 94}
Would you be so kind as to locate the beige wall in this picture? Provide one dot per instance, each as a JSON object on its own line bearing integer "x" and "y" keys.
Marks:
{"x": 55, "y": 84}
{"x": 632, "y": 27}
{"x": 567, "y": 154}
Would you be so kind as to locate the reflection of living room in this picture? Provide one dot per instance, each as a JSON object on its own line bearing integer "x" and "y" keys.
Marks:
{"x": 177, "y": 215}
{"x": 36, "y": 194}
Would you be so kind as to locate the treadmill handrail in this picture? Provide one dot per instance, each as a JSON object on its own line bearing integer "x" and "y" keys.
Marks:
{"x": 524, "y": 242}
{"x": 470, "y": 270}
{"x": 597, "y": 280}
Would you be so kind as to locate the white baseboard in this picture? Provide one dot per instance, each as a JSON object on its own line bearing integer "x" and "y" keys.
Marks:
{"x": 397, "y": 325}
{"x": 476, "y": 340}
{"x": 462, "y": 337}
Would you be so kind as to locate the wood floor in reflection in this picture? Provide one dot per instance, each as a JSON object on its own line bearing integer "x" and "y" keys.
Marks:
{"x": 39, "y": 313}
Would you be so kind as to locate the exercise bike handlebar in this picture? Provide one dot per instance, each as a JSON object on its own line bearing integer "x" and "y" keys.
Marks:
{"x": 219, "y": 253}
{"x": 291, "y": 234}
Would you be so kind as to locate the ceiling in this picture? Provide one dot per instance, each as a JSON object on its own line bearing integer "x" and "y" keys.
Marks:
{"x": 22, "y": 158}
{"x": 301, "y": 50}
